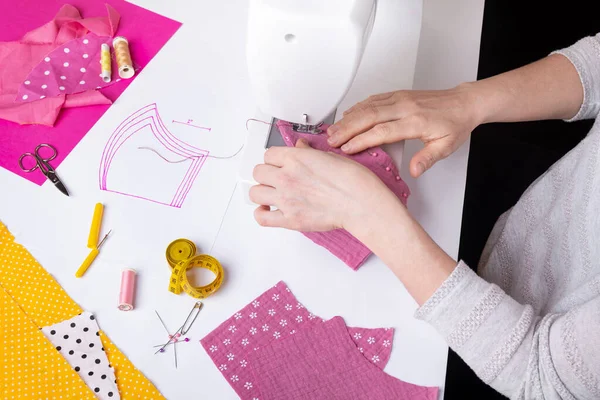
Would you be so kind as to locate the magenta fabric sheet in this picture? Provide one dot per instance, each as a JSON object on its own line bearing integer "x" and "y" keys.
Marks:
{"x": 74, "y": 121}
{"x": 272, "y": 317}
{"x": 339, "y": 242}
{"x": 322, "y": 363}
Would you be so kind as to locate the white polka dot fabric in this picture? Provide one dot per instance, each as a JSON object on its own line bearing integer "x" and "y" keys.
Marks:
{"x": 71, "y": 68}
{"x": 78, "y": 341}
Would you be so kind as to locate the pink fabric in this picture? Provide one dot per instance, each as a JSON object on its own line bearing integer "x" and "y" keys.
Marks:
{"x": 69, "y": 69}
{"x": 273, "y": 316}
{"x": 323, "y": 363}
{"x": 55, "y": 118}
{"x": 339, "y": 242}
{"x": 19, "y": 58}
{"x": 91, "y": 97}
{"x": 68, "y": 24}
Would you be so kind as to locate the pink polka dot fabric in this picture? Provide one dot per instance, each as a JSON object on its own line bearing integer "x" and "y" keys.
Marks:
{"x": 271, "y": 317}
{"x": 340, "y": 242}
{"x": 71, "y": 68}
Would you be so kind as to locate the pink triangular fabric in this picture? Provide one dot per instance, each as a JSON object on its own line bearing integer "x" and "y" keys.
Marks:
{"x": 339, "y": 242}
{"x": 20, "y": 57}
{"x": 273, "y": 316}
{"x": 322, "y": 363}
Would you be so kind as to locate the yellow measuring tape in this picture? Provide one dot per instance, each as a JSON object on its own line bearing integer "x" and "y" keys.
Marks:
{"x": 181, "y": 256}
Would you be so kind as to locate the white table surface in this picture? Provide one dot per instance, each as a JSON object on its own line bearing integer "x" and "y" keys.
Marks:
{"x": 211, "y": 86}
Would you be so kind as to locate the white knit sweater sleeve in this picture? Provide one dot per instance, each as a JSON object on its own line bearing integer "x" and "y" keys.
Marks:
{"x": 518, "y": 353}
{"x": 585, "y": 56}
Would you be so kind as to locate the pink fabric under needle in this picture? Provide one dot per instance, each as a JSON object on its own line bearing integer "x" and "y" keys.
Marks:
{"x": 339, "y": 242}
{"x": 274, "y": 316}
{"x": 322, "y": 363}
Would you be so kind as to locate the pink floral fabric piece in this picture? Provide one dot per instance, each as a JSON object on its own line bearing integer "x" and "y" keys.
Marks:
{"x": 339, "y": 242}
{"x": 323, "y": 363}
{"x": 273, "y": 316}
{"x": 71, "y": 68}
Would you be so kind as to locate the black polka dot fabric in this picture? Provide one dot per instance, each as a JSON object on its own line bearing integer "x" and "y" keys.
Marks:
{"x": 78, "y": 341}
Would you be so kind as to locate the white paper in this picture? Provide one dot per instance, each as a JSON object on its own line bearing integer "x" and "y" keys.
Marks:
{"x": 201, "y": 75}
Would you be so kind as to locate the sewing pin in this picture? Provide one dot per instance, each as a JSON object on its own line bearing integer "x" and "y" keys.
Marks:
{"x": 170, "y": 336}
{"x": 183, "y": 330}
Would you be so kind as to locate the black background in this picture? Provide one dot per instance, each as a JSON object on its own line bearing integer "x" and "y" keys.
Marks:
{"x": 505, "y": 159}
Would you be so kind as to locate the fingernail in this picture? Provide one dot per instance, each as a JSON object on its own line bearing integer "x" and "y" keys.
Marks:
{"x": 331, "y": 140}
{"x": 346, "y": 147}
{"x": 420, "y": 168}
{"x": 332, "y": 129}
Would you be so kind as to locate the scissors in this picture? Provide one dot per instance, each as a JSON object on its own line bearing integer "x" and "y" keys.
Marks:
{"x": 42, "y": 164}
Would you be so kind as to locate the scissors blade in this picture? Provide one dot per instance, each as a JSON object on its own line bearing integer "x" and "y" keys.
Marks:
{"x": 61, "y": 187}
{"x": 51, "y": 175}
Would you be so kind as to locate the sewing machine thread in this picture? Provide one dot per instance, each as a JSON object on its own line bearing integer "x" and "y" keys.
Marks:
{"x": 105, "y": 62}
{"x": 123, "y": 57}
{"x": 127, "y": 289}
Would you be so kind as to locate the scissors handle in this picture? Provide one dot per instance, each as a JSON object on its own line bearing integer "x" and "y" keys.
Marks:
{"x": 39, "y": 147}
{"x": 23, "y": 156}
{"x": 39, "y": 160}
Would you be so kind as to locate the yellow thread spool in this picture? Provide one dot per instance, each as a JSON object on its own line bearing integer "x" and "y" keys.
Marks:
{"x": 105, "y": 62}
{"x": 123, "y": 57}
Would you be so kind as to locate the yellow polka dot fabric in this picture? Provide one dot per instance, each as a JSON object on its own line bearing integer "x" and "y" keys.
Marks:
{"x": 31, "y": 368}
{"x": 32, "y": 296}
{"x": 26, "y": 281}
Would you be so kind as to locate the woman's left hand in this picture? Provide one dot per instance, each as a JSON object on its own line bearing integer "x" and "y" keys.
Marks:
{"x": 313, "y": 190}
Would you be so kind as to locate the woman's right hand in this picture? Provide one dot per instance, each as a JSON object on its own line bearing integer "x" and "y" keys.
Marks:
{"x": 442, "y": 119}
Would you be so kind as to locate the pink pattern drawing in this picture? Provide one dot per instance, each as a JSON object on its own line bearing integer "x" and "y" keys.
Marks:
{"x": 140, "y": 121}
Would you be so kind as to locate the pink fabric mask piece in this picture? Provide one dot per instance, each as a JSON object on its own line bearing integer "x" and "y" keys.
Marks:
{"x": 339, "y": 242}
{"x": 273, "y": 316}
{"x": 323, "y": 363}
{"x": 68, "y": 69}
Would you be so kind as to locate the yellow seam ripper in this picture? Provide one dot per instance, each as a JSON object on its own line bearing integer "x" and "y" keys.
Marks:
{"x": 93, "y": 240}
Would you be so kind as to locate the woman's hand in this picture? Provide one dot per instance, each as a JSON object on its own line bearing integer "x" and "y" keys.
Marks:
{"x": 442, "y": 119}
{"x": 318, "y": 191}
{"x": 314, "y": 190}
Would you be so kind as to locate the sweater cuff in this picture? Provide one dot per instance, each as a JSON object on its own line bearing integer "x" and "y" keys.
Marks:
{"x": 478, "y": 321}
{"x": 585, "y": 57}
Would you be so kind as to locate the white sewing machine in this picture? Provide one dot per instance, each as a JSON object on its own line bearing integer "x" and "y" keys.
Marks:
{"x": 302, "y": 59}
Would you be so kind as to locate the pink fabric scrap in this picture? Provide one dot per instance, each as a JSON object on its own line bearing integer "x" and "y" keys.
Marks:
{"x": 323, "y": 363}
{"x": 271, "y": 317}
{"x": 70, "y": 68}
{"x": 19, "y": 58}
{"x": 339, "y": 242}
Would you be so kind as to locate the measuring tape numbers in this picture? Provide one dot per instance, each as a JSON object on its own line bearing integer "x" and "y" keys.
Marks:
{"x": 181, "y": 256}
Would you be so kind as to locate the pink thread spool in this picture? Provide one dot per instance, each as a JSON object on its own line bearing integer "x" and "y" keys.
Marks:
{"x": 127, "y": 289}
